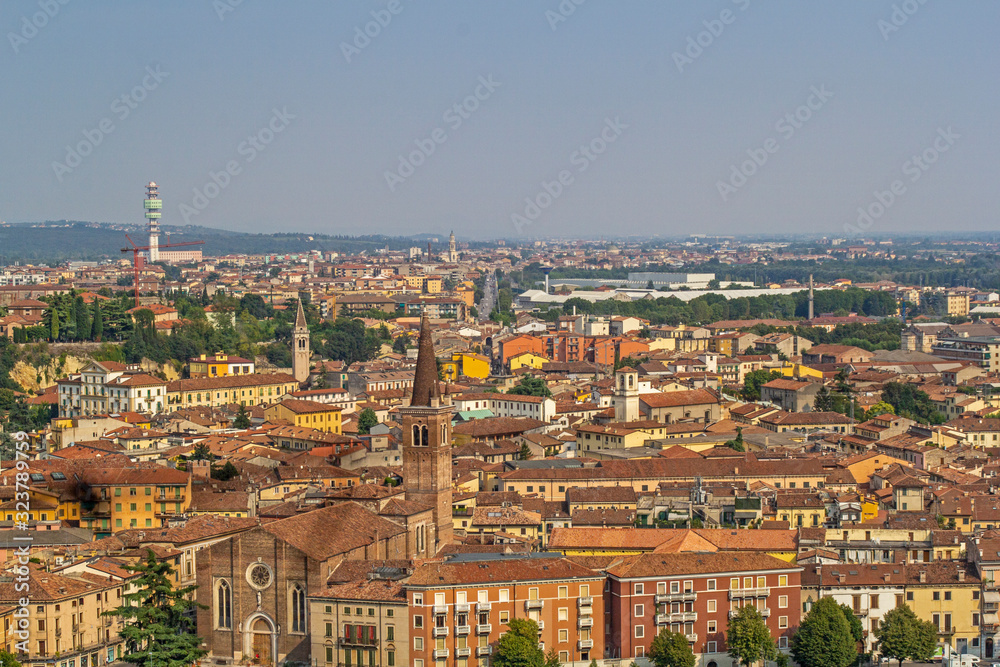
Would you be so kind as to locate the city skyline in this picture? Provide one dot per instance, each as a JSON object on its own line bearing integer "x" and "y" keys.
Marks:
{"x": 557, "y": 120}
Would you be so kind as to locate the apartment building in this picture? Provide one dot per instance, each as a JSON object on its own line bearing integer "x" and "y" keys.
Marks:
{"x": 131, "y": 497}
{"x": 107, "y": 388}
{"x": 983, "y": 351}
{"x": 66, "y": 624}
{"x": 219, "y": 365}
{"x": 696, "y": 594}
{"x": 306, "y": 414}
{"x": 508, "y": 405}
{"x": 364, "y": 621}
{"x": 459, "y": 608}
{"x": 243, "y": 389}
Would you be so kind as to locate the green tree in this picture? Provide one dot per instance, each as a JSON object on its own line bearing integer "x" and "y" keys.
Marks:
{"x": 824, "y": 637}
{"x": 903, "y": 636}
{"x": 242, "y": 419}
{"x": 158, "y": 625}
{"x": 530, "y": 387}
{"x": 98, "y": 327}
{"x": 401, "y": 343}
{"x": 525, "y": 452}
{"x": 201, "y": 452}
{"x": 8, "y": 659}
{"x": 225, "y": 473}
{"x": 83, "y": 323}
{"x": 748, "y": 638}
{"x": 54, "y": 325}
{"x": 518, "y": 647}
{"x": 857, "y": 629}
{"x": 366, "y": 420}
{"x": 880, "y": 408}
{"x": 753, "y": 381}
{"x": 671, "y": 649}
{"x": 737, "y": 444}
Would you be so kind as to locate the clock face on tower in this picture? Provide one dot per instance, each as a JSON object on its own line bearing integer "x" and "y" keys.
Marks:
{"x": 259, "y": 576}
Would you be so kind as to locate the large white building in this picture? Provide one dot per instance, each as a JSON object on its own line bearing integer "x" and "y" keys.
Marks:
{"x": 107, "y": 387}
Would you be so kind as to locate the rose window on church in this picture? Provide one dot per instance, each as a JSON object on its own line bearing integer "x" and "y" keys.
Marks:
{"x": 259, "y": 576}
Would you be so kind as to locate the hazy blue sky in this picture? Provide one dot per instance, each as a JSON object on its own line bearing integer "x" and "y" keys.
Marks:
{"x": 673, "y": 129}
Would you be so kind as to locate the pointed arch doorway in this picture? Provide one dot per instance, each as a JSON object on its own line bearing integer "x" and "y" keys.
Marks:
{"x": 260, "y": 640}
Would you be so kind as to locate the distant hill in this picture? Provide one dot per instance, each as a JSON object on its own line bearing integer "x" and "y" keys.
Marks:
{"x": 62, "y": 240}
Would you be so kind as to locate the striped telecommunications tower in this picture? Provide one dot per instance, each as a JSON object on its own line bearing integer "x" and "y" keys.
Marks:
{"x": 153, "y": 206}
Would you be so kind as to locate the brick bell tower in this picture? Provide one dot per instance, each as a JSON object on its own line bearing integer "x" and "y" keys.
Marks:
{"x": 427, "y": 444}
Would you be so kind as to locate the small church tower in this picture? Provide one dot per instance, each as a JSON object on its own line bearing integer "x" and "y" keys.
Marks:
{"x": 452, "y": 252}
{"x": 626, "y": 395}
{"x": 427, "y": 447}
{"x": 300, "y": 346}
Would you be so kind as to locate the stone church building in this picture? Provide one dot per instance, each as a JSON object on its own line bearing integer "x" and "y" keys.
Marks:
{"x": 254, "y": 586}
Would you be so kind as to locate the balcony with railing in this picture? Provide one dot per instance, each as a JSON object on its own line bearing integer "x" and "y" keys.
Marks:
{"x": 585, "y": 644}
{"x": 681, "y": 616}
{"x": 484, "y": 629}
{"x": 735, "y": 594}
{"x": 440, "y": 631}
{"x": 440, "y": 609}
{"x": 586, "y": 601}
{"x": 534, "y": 604}
{"x": 462, "y": 630}
{"x": 765, "y": 612}
{"x": 692, "y": 638}
{"x": 440, "y": 654}
{"x": 585, "y": 622}
{"x": 461, "y": 607}
{"x": 484, "y": 650}
{"x": 357, "y": 641}
{"x": 484, "y": 606}
{"x": 667, "y": 598}
{"x": 463, "y": 652}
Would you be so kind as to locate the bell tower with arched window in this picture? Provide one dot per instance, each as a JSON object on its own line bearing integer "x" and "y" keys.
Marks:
{"x": 427, "y": 444}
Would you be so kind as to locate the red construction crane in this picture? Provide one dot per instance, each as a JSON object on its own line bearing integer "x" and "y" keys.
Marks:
{"x": 138, "y": 260}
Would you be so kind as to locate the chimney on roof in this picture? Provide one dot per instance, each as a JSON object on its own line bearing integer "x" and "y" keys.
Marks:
{"x": 961, "y": 574}
{"x": 923, "y": 576}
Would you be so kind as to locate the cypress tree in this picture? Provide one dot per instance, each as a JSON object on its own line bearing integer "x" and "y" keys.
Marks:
{"x": 98, "y": 329}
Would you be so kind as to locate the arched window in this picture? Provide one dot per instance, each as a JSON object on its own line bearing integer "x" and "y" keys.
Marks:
{"x": 416, "y": 435}
{"x": 444, "y": 433}
{"x": 423, "y": 436}
{"x": 298, "y": 609}
{"x": 224, "y": 606}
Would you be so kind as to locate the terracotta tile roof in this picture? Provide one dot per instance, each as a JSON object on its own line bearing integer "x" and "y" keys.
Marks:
{"x": 230, "y": 382}
{"x": 497, "y": 426}
{"x": 656, "y": 565}
{"x": 329, "y": 531}
{"x": 671, "y": 399}
{"x": 504, "y": 570}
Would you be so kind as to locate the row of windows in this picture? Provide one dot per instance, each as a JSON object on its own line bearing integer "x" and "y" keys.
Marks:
{"x": 710, "y": 585}
{"x": 224, "y": 607}
{"x": 503, "y": 595}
